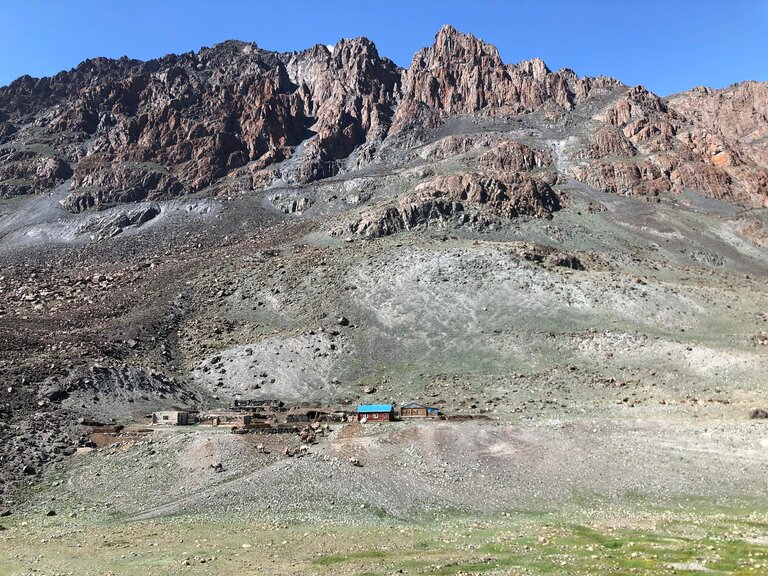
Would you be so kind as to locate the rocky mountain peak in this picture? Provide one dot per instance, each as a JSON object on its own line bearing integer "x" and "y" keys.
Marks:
{"x": 453, "y": 48}
{"x": 350, "y": 49}
{"x": 461, "y": 74}
{"x": 458, "y": 74}
{"x": 535, "y": 67}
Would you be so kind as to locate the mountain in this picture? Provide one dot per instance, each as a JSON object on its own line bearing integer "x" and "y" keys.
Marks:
{"x": 513, "y": 243}
{"x": 236, "y": 118}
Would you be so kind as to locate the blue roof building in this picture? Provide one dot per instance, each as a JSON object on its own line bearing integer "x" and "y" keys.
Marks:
{"x": 376, "y": 412}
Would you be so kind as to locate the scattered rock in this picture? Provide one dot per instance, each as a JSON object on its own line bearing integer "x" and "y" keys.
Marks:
{"x": 758, "y": 414}
{"x": 564, "y": 261}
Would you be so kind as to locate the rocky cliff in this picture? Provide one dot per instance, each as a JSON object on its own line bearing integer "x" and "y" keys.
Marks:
{"x": 738, "y": 113}
{"x": 461, "y": 74}
{"x": 646, "y": 146}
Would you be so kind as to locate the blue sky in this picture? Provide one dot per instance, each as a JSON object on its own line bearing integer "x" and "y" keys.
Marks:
{"x": 668, "y": 46}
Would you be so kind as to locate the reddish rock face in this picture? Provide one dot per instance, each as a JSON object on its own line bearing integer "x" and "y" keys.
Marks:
{"x": 349, "y": 95}
{"x": 29, "y": 172}
{"x": 179, "y": 124}
{"x": 644, "y": 147}
{"x": 609, "y": 141}
{"x": 731, "y": 125}
{"x": 233, "y": 118}
{"x": 469, "y": 197}
{"x": 738, "y": 113}
{"x": 639, "y": 120}
{"x": 625, "y": 178}
{"x": 125, "y": 181}
{"x": 460, "y": 74}
{"x": 505, "y": 195}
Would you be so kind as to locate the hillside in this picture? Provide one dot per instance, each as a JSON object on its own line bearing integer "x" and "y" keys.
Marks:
{"x": 576, "y": 264}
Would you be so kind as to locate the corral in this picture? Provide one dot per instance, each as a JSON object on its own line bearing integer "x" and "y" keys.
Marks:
{"x": 266, "y": 405}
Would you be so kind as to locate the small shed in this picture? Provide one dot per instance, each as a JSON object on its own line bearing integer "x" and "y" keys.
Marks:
{"x": 416, "y": 410}
{"x": 376, "y": 412}
{"x": 170, "y": 418}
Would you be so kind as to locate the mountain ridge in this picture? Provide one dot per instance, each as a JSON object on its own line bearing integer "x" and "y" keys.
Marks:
{"x": 231, "y": 115}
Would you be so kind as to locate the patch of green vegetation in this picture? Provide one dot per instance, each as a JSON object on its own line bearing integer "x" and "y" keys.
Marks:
{"x": 474, "y": 567}
{"x": 626, "y": 541}
{"x": 582, "y": 533}
{"x": 381, "y": 513}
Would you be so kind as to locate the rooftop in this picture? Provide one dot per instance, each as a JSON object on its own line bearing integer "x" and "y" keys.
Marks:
{"x": 367, "y": 408}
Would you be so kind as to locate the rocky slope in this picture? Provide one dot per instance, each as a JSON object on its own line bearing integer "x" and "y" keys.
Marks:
{"x": 739, "y": 113}
{"x": 646, "y": 145}
{"x": 510, "y": 240}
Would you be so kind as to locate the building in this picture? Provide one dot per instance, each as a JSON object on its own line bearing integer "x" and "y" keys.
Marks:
{"x": 375, "y": 412}
{"x": 416, "y": 410}
{"x": 171, "y": 418}
{"x": 226, "y": 419}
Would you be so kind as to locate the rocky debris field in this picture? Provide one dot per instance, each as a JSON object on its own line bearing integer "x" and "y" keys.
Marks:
{"x": 479, "y": 467}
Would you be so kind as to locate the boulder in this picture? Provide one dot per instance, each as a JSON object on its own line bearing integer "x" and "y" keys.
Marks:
{"x": 564, "y": 260}
{"x": 758, "y": 414}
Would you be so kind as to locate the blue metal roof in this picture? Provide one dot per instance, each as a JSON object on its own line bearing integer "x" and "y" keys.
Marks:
{"x": 368, "y": 408}
{"x": 417, "y": 405}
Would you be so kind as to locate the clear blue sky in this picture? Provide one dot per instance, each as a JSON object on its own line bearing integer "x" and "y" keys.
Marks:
{"x": 667, "y": 45}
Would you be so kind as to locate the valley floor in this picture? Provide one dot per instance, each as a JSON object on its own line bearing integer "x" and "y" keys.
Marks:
{"x": 681, "y": 539}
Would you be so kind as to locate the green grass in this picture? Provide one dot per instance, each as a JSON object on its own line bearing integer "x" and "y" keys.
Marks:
{"x": 586, "y": 543}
